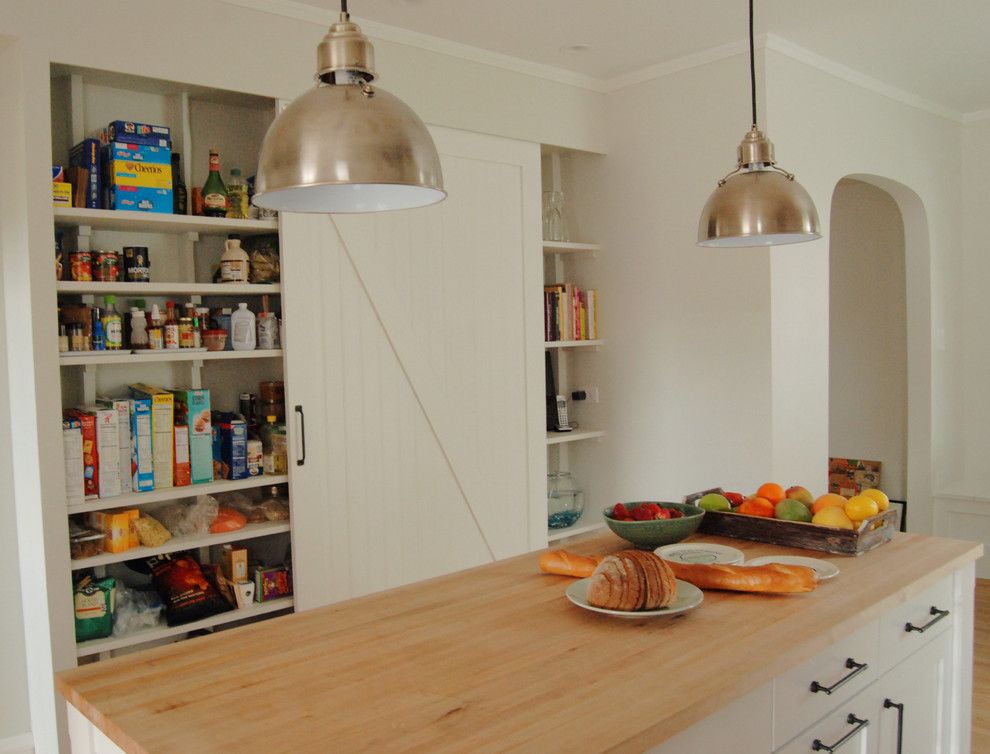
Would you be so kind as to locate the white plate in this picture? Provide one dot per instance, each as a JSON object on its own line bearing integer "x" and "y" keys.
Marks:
{"x": 698, "y": 552}
{"x": 822, "y": 568}
{"x": 688, "y": 596}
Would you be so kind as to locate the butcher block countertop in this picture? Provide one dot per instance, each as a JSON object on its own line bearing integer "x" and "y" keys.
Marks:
{"x": 494, "y": 658}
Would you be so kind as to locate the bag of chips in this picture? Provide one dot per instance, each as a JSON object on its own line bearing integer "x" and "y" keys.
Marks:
{"x": 184, "y": 589}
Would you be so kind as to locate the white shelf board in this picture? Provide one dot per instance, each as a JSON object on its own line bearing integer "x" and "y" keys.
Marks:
{"x": 95, "y": 646}
{"x": 569, "y": 247}
{"x": 572, "y": 343}
{"x": 166, "y": 354}
{"x": 158, "y": 222}
{"x": 251, "y": 531}
{"x": 135, "y": 499}
{"x": 555, "y": 438}
{"x": 168, "y": 289}
{"x": 583, "y": 525}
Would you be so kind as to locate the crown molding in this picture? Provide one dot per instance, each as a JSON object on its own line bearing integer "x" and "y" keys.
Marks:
{"x": 387, "y": 33}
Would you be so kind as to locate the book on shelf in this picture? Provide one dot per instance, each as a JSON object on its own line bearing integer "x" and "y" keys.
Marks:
{"x": 570, "y": 313}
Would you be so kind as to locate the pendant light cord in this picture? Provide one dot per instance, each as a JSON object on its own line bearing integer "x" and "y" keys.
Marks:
{"x": 752, "y": 63}
{"x": 343, "y": 7}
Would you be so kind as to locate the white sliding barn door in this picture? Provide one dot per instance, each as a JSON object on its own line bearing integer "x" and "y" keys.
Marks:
{"x": 414, "y": 344}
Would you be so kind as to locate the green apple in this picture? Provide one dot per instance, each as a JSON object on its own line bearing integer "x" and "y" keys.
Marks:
{"x": 789, "y": 509}
{"x": 715, "y": 502}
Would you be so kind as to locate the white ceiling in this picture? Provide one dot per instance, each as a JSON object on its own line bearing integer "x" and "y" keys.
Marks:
{"x": 938, "y": 51}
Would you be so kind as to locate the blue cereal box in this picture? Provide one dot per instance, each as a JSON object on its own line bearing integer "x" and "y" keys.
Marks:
{"x": 192, "y": 410}
{"x": 141, "y": 199}
{"x": 142, "y": 460}
{"x": 139, "y": 133}
{"x": 86, "y": 156}
{"x": 229, "y": 446}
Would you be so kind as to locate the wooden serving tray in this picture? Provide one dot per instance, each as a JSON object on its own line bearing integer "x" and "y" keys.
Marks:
{"x": 872, "y": 532}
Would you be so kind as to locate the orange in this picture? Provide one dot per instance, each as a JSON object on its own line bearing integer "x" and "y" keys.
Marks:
{"x": 861, "y": 507}
{"x": 883, "y": 502}
{"x": 826, "y": 500}
{"x": 756, "y": 506}
{"x": 771, "y": 491}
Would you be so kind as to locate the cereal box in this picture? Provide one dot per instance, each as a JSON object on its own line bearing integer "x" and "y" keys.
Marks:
{"x": 142, "y": 457}
{"x": 90, "y": 452}
{"x": 162, "y": 444}
{"x": 192, "y": 408}
{"x": 180, "y": 465}
{"x": 72, "y": 449}
{"x": 138, "y": 133}
{"x": 229, "y": 446}
{"x": 108, "y": 444}
{"x": 123, "y": 408}
{"x": 62, "y": 194}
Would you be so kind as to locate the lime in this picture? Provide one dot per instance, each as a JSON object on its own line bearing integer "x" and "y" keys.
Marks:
{"x": 715, "y": 502}
{"x": 789, "y": 509}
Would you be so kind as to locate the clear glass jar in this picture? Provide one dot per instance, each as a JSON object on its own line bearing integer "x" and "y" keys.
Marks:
{"x": 565, "y": 500}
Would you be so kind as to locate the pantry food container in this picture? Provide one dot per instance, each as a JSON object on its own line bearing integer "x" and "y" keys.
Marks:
{"x": 871, "y": 532}
{"x": 215, "y": 340}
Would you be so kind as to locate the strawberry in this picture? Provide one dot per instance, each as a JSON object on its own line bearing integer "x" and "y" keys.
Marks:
{"x": 642, "y": 513}
{"x": 620, "y": 511}
{"x": 663, "y": 513}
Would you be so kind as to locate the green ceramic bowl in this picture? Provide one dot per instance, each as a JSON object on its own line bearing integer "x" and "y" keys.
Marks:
{"x": 647, "y": 535}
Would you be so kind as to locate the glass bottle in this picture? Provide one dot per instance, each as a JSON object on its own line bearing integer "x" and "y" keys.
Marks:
{"x": 180, "y": 198}
{"x": 171, "y": 326}
{"x": 237, "y": 196}
{"x": 214, "y": 190}
{"x": 97, "y": 341}
{"x": 565, "y": 500}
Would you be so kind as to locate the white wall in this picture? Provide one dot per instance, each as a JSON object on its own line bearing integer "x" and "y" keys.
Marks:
{"x": 868, "y": 331}
{"x": 277, "y": 60}
{"x": 688, "y": 350}
{"x": 825, "y": 129}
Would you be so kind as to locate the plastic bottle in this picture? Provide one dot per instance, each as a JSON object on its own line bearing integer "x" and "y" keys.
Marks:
{"x": 274, "y": 447}
{"x": 113, "y": 328}
{"x": 234, "y": 264}
{"x": 267, "y": 327}
{"x": 237, "y": 196}
{"x": 156, "y": 329}
{"x": 242, "y": 328}
{"x": 139, "y": 332}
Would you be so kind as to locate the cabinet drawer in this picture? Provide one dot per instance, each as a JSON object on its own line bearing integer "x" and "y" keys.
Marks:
{"x": 854, "y": 720}
{"x": 925, "y": 615}
{"x": 835, "y": 673}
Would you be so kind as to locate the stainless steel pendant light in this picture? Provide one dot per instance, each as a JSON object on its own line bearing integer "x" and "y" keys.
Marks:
{"x": 346, "y": 146}
{"x": 758, "y": 203}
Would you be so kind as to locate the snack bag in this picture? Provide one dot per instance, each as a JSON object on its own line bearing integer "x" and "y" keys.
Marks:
{"x": 94, "y": 603}
{"x": 184, "y": 589}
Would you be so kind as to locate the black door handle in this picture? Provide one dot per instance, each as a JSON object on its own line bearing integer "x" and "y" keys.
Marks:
{"x": 889, "y": 704}
{"x": 939, "y": 614}
{"x": 302, "y": 435}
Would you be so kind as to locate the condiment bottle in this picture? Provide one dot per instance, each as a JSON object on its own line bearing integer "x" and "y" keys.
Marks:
{"x": 214, "y": 191}
{"x": 267, "y": 327}
{"x": 171, "y": 326}
{"x": 139, "y": 333}
{"x": 113, "y": 329}
{"x": 234, "y": 263}
{"x": 242, "y": 328}
{"x": 274, "y": 447}
{"x": 96, "y": 332}
{"x": 237, "y": 196}
{"x": 63, "y": 338}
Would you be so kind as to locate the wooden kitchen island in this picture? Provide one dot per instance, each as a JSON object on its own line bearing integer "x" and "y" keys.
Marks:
{"x": 497, "y": 659}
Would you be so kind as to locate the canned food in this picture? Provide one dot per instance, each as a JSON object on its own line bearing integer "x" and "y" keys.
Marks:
{"x": 106, "y": 268}
{"x": 137, "y": 264}
{"x": 80, "y": 265}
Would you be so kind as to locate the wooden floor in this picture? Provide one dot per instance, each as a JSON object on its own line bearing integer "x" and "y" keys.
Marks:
{"x": 981, "y": 668}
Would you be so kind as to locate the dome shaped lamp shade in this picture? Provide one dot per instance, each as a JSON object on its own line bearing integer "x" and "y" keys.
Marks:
{"x": 757, "y": 204}
{"x": 346, "y": 146}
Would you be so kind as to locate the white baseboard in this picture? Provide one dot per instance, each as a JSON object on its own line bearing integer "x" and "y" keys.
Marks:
{"x": 961, "y": 517}
{"x": 20, "y": 744}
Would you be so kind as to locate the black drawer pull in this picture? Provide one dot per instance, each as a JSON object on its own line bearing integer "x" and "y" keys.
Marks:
{"x": 939, "y": 614}
{"x": 856, "y": 667}
{"x": 888, "y": 704}
{"x": 817, "y": 745}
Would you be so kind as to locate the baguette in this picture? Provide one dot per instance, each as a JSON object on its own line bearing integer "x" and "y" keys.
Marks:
{"x": 565, "y": 563}
{"x": 774, "y": 578}
{"x": 632, "y": 580}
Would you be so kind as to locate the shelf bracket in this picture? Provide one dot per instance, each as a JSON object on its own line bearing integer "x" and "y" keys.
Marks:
{"x": 89, "y": 384}
{"x": 197, "y": 374}
{"x": 188, "y": 252}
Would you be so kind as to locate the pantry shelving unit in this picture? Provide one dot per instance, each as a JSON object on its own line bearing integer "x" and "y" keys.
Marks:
{"x": 576, "y": 363}
{"x": 184, "y": 252}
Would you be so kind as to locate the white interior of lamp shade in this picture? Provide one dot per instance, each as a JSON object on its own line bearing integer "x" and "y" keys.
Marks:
{"x": 349, "y": 197}
{"x": 773, "y": 239}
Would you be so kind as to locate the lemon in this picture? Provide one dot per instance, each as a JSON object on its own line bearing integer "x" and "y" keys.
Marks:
{"x": 833, "y": 516}
{"x": 883, "y": 502}
{"x": 861, "y": 507}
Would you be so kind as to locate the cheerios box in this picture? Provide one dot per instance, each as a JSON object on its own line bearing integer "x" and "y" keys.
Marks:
{"x": 162, "y": 443}
{"x": 192, "y": 409}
